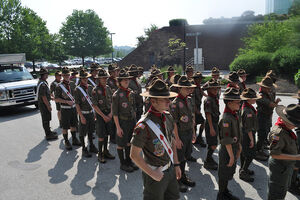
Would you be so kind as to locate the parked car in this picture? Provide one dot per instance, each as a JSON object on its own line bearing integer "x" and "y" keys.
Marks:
{"x": 53, "y": 66}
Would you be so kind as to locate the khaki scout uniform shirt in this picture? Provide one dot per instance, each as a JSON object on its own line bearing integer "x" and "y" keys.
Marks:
{"x": 143, "y": 137}
{"x": 81, "y": 100}
{"x": 263, "y": 104}
{"x": 112, "y": 83}
{"x": 211, "y": 106}
{"x": 59, "y": 93}
{"x": 182, "y": 114}
{"x": 137, "y": 90}
{"x": 249, "y": 120}
{"x": 123, "y": 106}
{"x": 230, "y": 131}
{"x": 43, "y": 91}
{"x": 102, "y": 101}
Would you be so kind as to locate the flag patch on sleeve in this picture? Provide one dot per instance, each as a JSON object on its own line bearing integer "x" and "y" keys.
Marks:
{"x": 274, "y": 137}
{"x": 249, "y": 115}
{"x": 225, "y": 125}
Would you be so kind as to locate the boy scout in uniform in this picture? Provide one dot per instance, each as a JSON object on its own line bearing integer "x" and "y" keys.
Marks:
{"x": 215, "y": 73}
{"x": 283, "y": 150}
{"x": 249, "y": 128}
{"x": 212, "y": 113}
{"x": 141, "y": 71}
{"x": 184, "y": 131}
{"x": 153, "y": 135}
{"x": 230, "y": 139}
{"x": 243, "y": 76}
{"x": 53, "y": 86}
{"x": 136, "y": 87}
{"x": 64, "y": 95}
{"x": 43, "y": 93}
{"x": 85, "y": 111}
{"x": 170, "y": 73}
{"x": 189, "y": 72}
{"x": 102, "y": 98}
{"x": 265, "y": 107}
{"x": 73, "y": 76}
{"x": 123, "y": 107}
{"x": 198, "y": 94}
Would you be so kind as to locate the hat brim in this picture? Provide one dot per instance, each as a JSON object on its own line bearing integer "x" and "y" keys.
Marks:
{"x": 88, "y": 76}
{"x": 211, "y": 74}
{"x": 65, "y": 73}
{"x": 172, "y": 95}
{"x": 206, "y": 88}
{"x": 280, "y": 112}
{"x": 102, "y": 76}
{"x": 190, "y": 86}
{"x": 231, "y": 81}
{"x": 254, "y": 98}
{"x": 261, "y": 84}
{"x": 232, "y": 98}
{"x": 128, "y": 77}
{"x": 197, "y": 76}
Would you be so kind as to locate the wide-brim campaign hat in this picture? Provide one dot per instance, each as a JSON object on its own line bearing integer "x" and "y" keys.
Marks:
{"x": 232, "y": 94}
{"x": 133, "y": 70}
{"x": 189, "y": 69}
{"x": 174, "y": 79}
{"x": 74, "y": 72}
{"x": 57, "y": 73}
{"x": 184, "y": 82}
{"x": 211, "y": 84}
{"x": 151, "y": 82}
{"x": 140, "y": 69}
{"x": 83, "y": 74}
{"x": 272, "y": 75}
{"x": 170, "y": 69}
{"x": 197, "y": 75}
{"x": 102, "y": 73}
{"x": 65, "y": 71}
{"x": 159, "y": 89}
{"x": 242, "y": 72}
{"x": 233, "y": 77}
{"x": 111, "y": 68}
{"x": 124, "y": 75}
{"x": 215, "y": 71}
{"x": 156, "y": 72}
{"x": 290, "y": 114}
{"x": 43, "y": 71}
{"x": 249, "y": 93}
{"x": 94, "y": 67}
{"x": 267, "y": 82}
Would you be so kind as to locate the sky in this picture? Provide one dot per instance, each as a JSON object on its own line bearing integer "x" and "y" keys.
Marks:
{"x": 128, "y": 19}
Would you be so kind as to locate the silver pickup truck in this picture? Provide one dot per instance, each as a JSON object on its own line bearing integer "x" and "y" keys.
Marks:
{"x": 17, "y": 86}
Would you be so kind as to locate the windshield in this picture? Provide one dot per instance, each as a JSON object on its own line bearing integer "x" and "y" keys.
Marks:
{"x": 14, "y": 73}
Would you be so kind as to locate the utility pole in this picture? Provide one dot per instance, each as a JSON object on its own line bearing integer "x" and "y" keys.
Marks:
{"x": 196, "y": 38}
{"x": 112, "y": 53}
{"x": 184, "y": 47}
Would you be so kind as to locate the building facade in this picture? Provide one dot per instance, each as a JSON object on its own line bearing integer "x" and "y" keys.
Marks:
{"x": 278, "y": 6}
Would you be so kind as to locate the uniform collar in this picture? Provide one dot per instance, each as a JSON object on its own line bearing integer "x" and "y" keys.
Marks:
{"x": 281, "y": 124}
{"x": 228, "y": 110}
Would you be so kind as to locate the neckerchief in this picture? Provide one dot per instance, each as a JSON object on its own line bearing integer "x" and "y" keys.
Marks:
{"x": 153, "y": 111}
{"x": 67, "y": 85}
{"x": 281, "y": 124}
{"x": 183, "y": 98}
{"x": 103, "y": 89}
{"x": 231, "y": 85}
{"x": 246, "y": 104}
{"x": 213, "y": 96}
{"x": 126, "y": 90}
{"x": 228, "y": 110}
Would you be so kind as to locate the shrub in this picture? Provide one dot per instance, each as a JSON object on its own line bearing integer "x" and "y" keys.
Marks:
{"x": 178, "y": 22}
{"x": 297, "y": 78}
{"x": 254, "y": 63}
{"x": 178, "y": 70}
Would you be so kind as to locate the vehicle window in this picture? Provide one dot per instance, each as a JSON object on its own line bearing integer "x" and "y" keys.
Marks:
{"x": 11, "y": 74}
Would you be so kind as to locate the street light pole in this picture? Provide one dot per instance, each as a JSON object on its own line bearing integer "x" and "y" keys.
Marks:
{"x": 112, "y": 53}
{"x": 196, "y": 38}
{"x": 184, "y": 47}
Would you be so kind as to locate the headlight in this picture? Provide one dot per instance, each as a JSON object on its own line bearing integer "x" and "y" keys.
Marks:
{"x": 3, "y": 95}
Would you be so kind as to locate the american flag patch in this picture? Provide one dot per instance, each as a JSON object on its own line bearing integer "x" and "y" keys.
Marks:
{"x": 249, "y": 115}
{"x": 141, "y": 125}
{"x": 274, "y": 137}
{"x": 226, "y": 125}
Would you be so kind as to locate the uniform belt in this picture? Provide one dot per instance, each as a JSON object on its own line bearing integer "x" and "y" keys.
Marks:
{"x": 164, "y": 168}
{"x": 67, "y": 107}
{"x": 86, "y": 112}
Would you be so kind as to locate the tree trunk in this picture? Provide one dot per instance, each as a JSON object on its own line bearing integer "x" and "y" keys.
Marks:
{"x": 82, "y": 61}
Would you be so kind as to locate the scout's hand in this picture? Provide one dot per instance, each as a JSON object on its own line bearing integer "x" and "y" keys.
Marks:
{"x": 231, "y": 161}
{"x": 110, "y": 115}
{"x": 179, "y": 144}
{"x": 70, "y": 103}
{"x": 106, "y": 119}
{"x": 83, "y": 120}
{"x": 157, "y": 174}
{"x": 49, "y": 108}
{"x": 212, "y": 132}
{"x": 251, "y": 144}
{"x": 194, "y": 138}
{"x": 277, "y": 100}
{"x": 120, "y": 132}
{"x": 178, "y": 172}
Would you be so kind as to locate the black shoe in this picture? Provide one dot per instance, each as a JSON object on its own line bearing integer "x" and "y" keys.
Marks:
{"x": 192, "y": 159}
{"x": 86, "y": 153}
{"x": 260, "y": 156}
{"x": 250, "y": 172}
{"x": 182, "y": 187}
{"x": 294, "y": 189}
{"x": 75, "y": 141}
{"x": 246, "y": 177}
{"x": 54, "y": 133}
{"x": 101, "y": 158}
{"x": 229, "y": 195}
{"x": 108, "y": 155}
{"x": 126, "y": 168}
{"x": 68, "y": 146}
{"x": 51, "y": 136}
{"x": 222, "y": 196}
{"x": 131, "y": 164}
{"x": 210, "y": 165}
{"x": 93, "y": 149}
{"x": 186, "y": 181}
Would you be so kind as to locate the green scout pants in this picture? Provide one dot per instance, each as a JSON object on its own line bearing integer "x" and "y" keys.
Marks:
{"x": 46, "y": 118}
{"x": 224, "y": 172}
{"x": 186, "y": 149}
{"x": 279, "y": 179}
{"x": 127, "y": 126}
{"x": 84, "y": 129}
{"x": 103, "y": 129}
{"x": 264, "y": 125}
{"x": 212, "y": 140}
{"x": 166, "y": 189}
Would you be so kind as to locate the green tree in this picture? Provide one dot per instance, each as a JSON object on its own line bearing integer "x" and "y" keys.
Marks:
{"x": 58, "y": 53}
{"x": 148, "y": 31}
{"x": 175, "y": 45}
{"x": 84, "y": 34}
{"x": 295, "y": 8}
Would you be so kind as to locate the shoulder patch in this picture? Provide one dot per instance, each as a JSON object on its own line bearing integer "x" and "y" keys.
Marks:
{"x": 275, "y": 137}
{"x": 225, "y": 125}
{"x": 249, "y": 115}
{"x": 141, "y": 125}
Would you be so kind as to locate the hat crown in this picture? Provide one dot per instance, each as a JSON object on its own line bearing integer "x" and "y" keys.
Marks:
{"x": 43, "y": 70}
{"x": 197, "y": 75}
{"x": 102, "y": 73}
{"x": 184, "y": 81}
{"x": 215, "y": 70}
{"x": 155, "y": 72}
{"x": 65, "y": 70}
{"x": 241, "y": 72}
{"x": 211, "y": 83}
{"x": 123, "y": 74}
{"x": 174, "y": 79}
{"x": 267, "y": 81}
{"x": 231, "y": 94}
{"x": 189, "y": 69}
{"x": 293, "y": 112}
{"x": 249, "y": 93}
{"x": 111, "y": 68}
{"x": 159, "y": 88}
{"x": 171, "y": 69}
{"x": 233, "y": 76}
{"x": 83, "y": 73}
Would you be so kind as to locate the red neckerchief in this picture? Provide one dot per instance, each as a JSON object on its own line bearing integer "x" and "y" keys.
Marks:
{"x": 198, "y": 85}
{"x": 246, "y": 104}
{"x": 67, "y": 84}
{"x": 126, "y": 90}
{"x": 84, "y": 86}
{"x": 103, "y": 89}
{"x": 231, "y": 85}
{"x": 281, "y": 124}
{"x": 213, "y": 96}
{"x": 183, "y": 98}
{"x": 227, "y": 110}
{"x": 153, "y": 111}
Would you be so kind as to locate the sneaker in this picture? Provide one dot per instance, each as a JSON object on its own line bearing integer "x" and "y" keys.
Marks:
{"x": 126, "y": 168}
{"x": 186, "y": 181}
{"x": 93, "y": 149}
{"x": 68, "y": 146}
{"x": 86, "y": 153}
{"x": 246, "y": 177}
{"x": 182, "y": 187}
{"x": 51, "y": 136}
{"x": 75, "y": 141}
{"x": 210, "y": 165}
{"x": 108, "y": 155}
{"x": 192, "y": 159}
{"x": 229, "y": 195}
{"x": 101, "y": 158}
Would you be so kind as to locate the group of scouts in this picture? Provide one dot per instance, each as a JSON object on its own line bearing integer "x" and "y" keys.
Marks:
{"x": 155, "y": 130}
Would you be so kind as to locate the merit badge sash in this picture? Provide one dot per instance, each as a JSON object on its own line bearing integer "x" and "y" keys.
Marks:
{"x": 86, "y": 96}
{"x": 67, "y": 92}
{"x": 92, "y": 82}
{"x": 38, "y": 87}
